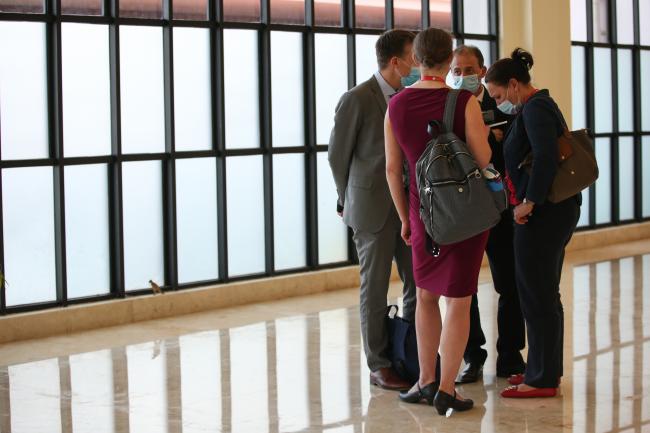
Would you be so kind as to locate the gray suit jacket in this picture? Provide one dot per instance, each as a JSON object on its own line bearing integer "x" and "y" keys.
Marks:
{"x": 357, "y": 157}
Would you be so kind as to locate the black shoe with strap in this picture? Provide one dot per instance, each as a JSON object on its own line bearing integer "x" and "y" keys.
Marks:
{"x": 444, "y": 402}
{"x": 428, "y": 393}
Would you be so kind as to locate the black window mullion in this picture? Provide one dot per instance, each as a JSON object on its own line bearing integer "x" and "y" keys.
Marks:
{"x": 55, "y": 128}
{"x": 170, "y": 235}
{"x": 636, "y": 90}
{"x": 493, "y": 26}
{"x": 266, "y": 134}
{"x": 457, "y": 20}
{"x": 311, "y": 184}
{"x": 590, "y": 20}
{"x": 426, "y": 16}
{"x": 309, "y": 13}
{"x": 390, "y": 15}
{"x": 3, "y": 283}
{"x": 116, "y": 226}
{"x": 591, "y": 119}
{"x": 219, "y": 140}
{"x": 348, "y": 15}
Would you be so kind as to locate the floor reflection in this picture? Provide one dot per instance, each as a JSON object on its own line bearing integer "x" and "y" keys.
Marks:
{"x": 307, "y": 373}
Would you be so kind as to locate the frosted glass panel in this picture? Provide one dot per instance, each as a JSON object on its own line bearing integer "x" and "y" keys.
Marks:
{"x": 408, "y": 14}
{"x": 245, "y": 212}
{"x": 288, "y": 11}
{"x": 475, "y": 16}
{"x": 196, "y": 213}
{"x": 190, "y": 9}
{"x": 603, "y": 89}
{"x": 23, "y": 105}
{"x": 645, "y": 91}
{"x": 91, "y": 380}
{"x": 440, "y": 14}
{"x": 287, "y": 89}
{"x": 626, "y": 177}
{"x": 601, "y": 17}
{"x": 141, "y": 9}
{"x": 484, "y": 46}
{"x": 625, "y": 92}
{"x": 327, "y": 12}
{"x": 625, "y": 21}
{"x": 35, "y": 397}
{"x": 332, "y": 233}
{"x": 143, "y": 224}
{"x": 604, "y": 182}
{"x": 645, "y": 153}
{"x": 28, "y": 223}
{"x": 22, "y": 6}
{"x": 579, "y": 96}
{"x": 82, "y": 7}
{"x": 331, "y": 81}
{"x": 289, "y": 211}
{"x": 366, "y": 58}
{"x": 241, "y": 10}
{"x": 192, "y": 98}
{"x": 578, "y": 20}
{"x": 201, "y": 382}
{"x": 644, "y": 17}
{"x": 147, "y": 391}
{"x": 142, "y": 92}
{"x": 86, "y": 90}
{"x": 87, "y": 236}
{"x": 584, "y": 209}
{"x": 241, "y": 89}
{"x": 370, "y": 13}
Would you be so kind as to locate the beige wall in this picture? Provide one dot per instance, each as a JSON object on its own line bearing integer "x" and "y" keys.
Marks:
{"x": 542, "y": 27}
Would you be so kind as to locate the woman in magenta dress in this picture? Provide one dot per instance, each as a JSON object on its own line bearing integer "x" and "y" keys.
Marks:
{"x": 454, "y": 273}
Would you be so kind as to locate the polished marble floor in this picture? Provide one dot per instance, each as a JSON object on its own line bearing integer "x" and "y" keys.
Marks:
{"x": 297, "y": 366}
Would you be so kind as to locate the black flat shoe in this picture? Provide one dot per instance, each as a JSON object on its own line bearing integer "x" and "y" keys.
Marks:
{"x": 427, "y": 393}
{"x": 473, "y": 372}
{"x": 444, "y": 402}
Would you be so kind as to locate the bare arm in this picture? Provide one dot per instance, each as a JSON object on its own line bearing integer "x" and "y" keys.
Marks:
{"x": 476, "y": 133}
{"x": 394, "y": 168}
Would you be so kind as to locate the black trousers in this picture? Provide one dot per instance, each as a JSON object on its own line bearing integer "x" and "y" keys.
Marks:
{"x": 510, "y": 321}
{"x": 539, "y": 255}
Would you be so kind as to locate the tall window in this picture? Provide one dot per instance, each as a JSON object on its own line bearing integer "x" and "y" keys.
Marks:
{"x": 610, "y": 55}
{"x": 182, "y": 144}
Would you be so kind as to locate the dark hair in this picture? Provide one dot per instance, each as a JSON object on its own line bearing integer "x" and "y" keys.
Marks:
{"x": 517, "y": 66}
{"x": 471, "y": 50}
{"x": 432, "y": 47}
{"x": 391, "y": 44}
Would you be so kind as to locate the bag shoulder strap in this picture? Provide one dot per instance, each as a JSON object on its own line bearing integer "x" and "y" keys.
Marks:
{"x": 450, "y": 109}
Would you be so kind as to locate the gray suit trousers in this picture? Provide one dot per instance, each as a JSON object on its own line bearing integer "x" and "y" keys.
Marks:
{"x": 376, "y": 253}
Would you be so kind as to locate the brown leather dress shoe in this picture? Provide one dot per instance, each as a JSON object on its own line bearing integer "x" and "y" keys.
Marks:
{"x": 387, "y": 378}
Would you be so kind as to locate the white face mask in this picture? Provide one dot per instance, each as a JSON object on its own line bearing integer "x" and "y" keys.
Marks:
{"x": 508, "y": 107}
{"x": 467, "y": 82}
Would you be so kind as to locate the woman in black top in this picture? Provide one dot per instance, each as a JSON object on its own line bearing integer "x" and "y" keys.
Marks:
{"x": 542, "y": 228}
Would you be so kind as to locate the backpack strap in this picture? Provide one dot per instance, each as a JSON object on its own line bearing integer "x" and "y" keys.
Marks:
{"x": 436, "y": 127}
{"x": 450, "y": 109}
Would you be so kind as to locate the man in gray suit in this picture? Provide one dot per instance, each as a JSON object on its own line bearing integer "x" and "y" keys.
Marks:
{"x": 358, "y": 163}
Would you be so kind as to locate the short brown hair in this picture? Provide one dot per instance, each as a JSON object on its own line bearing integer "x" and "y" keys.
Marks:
{"x": 392, "y": 44}
{"x": 472, "y": 50}
{"x": 432, "y": 47}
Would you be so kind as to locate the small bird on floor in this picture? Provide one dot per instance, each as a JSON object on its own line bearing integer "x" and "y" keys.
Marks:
{"x": 156, "y": 288}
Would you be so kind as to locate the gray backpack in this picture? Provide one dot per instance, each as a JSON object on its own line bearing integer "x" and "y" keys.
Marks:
{"x": 456, "y": 202}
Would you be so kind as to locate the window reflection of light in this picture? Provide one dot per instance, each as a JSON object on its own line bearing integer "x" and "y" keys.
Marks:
{"x": 334, "y": 372}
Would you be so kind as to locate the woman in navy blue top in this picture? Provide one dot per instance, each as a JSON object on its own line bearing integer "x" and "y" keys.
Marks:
{"x": 542, "y": 228}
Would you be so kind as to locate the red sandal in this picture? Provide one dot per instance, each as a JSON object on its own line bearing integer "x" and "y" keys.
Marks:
{"x": 516, "y": 379}
{"x": 513, "y": 392}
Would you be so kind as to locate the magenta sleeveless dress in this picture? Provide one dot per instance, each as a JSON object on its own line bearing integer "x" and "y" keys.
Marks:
{"x": 454, "y": 273}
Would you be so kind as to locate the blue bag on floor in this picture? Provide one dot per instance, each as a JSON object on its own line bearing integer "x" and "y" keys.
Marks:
{"x": 403, "y": 346}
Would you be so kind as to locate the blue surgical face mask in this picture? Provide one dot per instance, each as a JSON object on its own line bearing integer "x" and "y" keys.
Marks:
{"x": 467, "y": 82}
{"x": 508, "y": 107}
{"x": 411, "y": 78}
